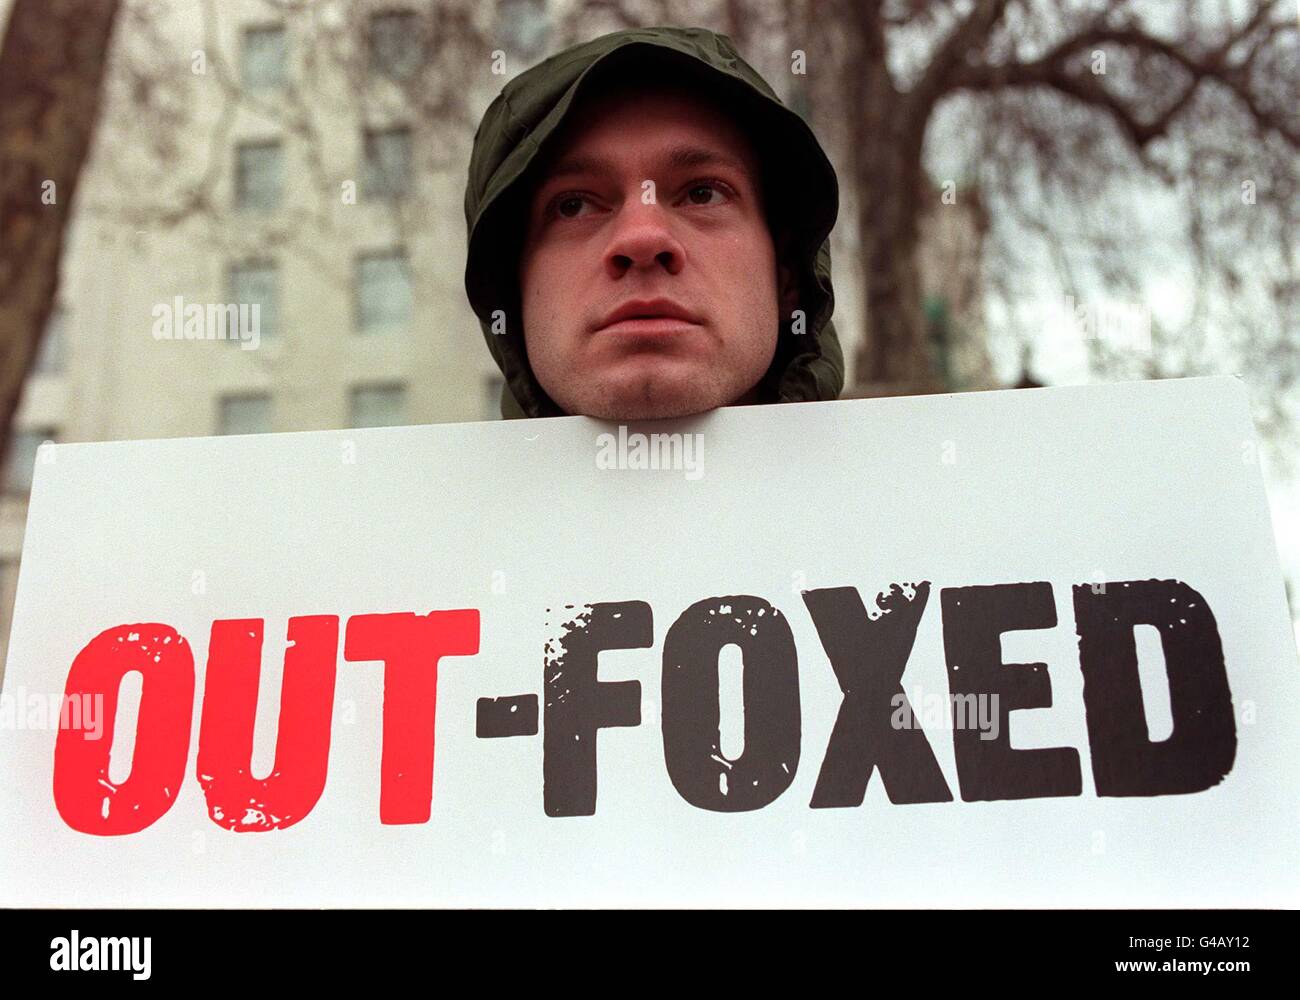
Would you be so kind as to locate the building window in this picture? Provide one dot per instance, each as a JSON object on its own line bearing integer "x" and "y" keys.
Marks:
{"x": 378, "y": 406}
{"x": 8, "y": 590}
{"x": 383, "y": 283}
{"x": 493, "y": 384}
{"x": 524, "y": 26}
{"x": 939, "y": 331}
{"x": 262, "y": 57}
{"x": 247, "y": 413}
{"x": 387, "y": 171}
{"x": 257, "y": 283}
{"x": 49, "y": 356}
{"x": 24, "y": 451}
{"x": 396, "y": 43}
{"x": 259, "y": 175}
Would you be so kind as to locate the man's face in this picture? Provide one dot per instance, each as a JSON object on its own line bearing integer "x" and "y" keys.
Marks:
{"x": 648, "y": 275}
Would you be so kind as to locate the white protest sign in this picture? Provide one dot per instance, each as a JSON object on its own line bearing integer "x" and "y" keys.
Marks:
{"x": 1010, "y": 648}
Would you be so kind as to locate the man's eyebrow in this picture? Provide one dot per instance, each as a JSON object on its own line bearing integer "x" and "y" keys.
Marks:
{"x": 581, "y": 164}
{"x": 675, "y": 158}
{"x": 687, "y": 157}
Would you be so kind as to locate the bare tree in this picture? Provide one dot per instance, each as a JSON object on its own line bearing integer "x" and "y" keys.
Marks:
{"x": 1058, "y": 99}
{"x": 51, "y": 71}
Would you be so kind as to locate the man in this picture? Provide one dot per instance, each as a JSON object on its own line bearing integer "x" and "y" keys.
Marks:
{"x": 648, "y": 234}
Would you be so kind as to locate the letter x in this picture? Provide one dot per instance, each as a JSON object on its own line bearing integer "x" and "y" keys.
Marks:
{"x": 869, "y": 657}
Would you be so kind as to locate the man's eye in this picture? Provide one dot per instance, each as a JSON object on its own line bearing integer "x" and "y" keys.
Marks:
{"x": 568, "y": 206}
{"x": 704, "y": 192}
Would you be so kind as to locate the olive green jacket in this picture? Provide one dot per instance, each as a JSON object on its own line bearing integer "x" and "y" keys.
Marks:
{"x": 808, "y": 364}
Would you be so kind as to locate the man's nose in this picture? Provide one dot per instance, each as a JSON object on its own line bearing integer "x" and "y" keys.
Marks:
{"x": 643, "y": 239}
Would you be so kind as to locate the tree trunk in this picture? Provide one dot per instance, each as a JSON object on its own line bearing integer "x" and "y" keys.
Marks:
{"x": 887, "y": 182}
{"x": 895, "y": 349}
{"x": 51, "y": 74}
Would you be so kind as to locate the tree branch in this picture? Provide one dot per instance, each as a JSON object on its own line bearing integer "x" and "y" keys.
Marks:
{"x": 1055, "y": 70}
{"x": 948, "y": 58}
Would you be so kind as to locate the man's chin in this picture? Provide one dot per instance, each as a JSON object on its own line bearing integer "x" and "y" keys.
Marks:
{"x": 649, "y": 400}
{"x": 626, "y": 410}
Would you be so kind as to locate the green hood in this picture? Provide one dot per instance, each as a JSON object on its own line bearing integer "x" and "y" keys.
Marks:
{"x": 531, "y": 108}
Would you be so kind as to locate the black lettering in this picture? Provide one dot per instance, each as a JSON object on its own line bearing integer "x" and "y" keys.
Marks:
{"x": 691, "y": 712}
{"x": 869, "y": 657}
{"x": 1199, "y": 752}
{"x": 578, "y": 704}
{"x": 974, "y": 619}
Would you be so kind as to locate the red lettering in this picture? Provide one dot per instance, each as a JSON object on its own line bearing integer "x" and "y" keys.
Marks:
{"x": 83, "y": 794}
{"x": 410, "y": 646}
{"x": 237, "y": 800}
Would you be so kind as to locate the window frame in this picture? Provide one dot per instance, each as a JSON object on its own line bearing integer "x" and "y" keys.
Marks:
{"x": 266, "y": 331}
{"x": 381, "y": 328}
{"x": 370, "y": 139}
{"x": 400, "y": 387}
{"x": 241, "y": 190}
{"x": 266, "y": 28}
{"x": 417, "y": 34}
{"x": 41, "y": 433}
{"x": 245, "y": 395}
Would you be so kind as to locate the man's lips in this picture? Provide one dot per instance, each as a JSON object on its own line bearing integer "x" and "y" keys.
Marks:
{"x": 649, "y": 326}
{"x": 648, "y": 316}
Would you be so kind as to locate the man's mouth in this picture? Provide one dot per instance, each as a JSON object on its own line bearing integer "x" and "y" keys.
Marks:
{"x": 649, "y": 317}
